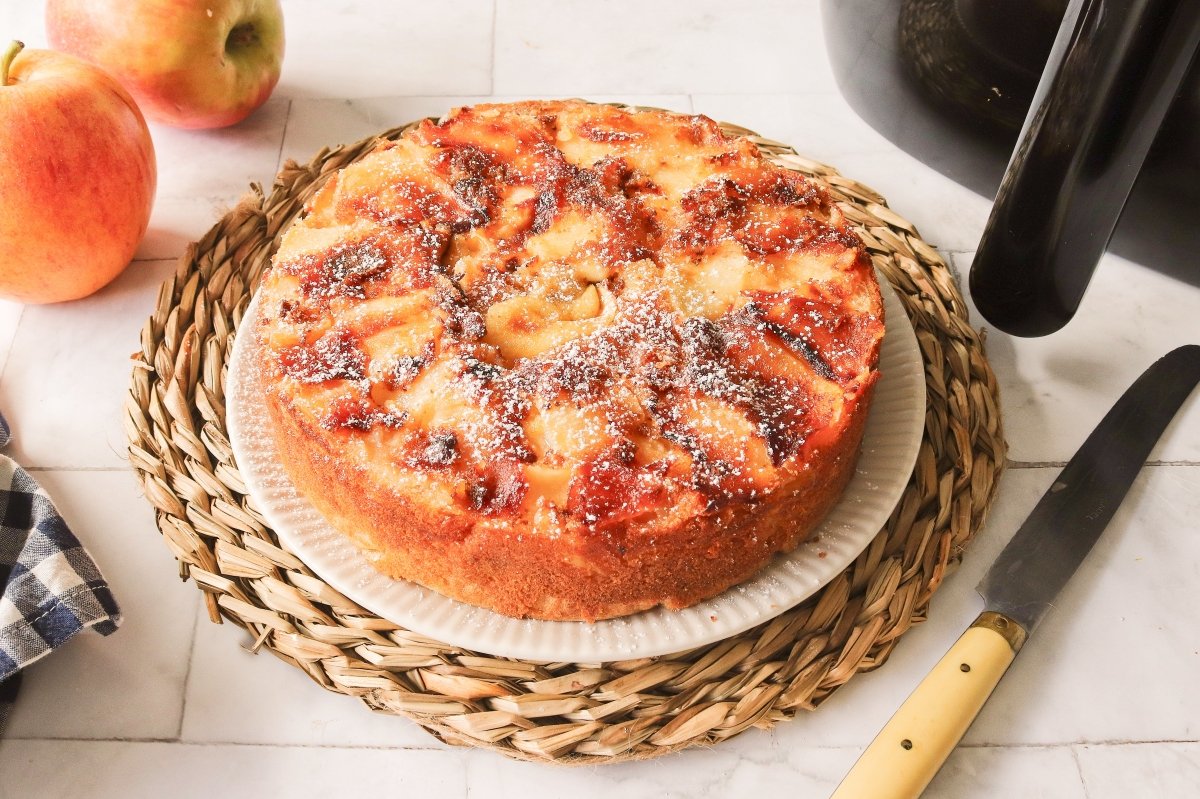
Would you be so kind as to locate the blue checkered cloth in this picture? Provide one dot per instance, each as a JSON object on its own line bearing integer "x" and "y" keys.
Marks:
{"x": 49, "y": 587}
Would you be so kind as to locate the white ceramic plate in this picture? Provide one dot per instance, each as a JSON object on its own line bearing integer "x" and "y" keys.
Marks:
{"x": 892, "y": 438}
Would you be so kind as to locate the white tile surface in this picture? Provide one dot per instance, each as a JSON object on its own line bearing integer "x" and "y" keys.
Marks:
{"x": 219, "y": 165}
{"x": 64, "y": 386}
{"x": 633, "y": 46}
{"x": 273, "y": 702}
{"x": 128, "y": 684}
{"x": 1060, "y": 386}
{"x": 720, "y": 771}
{"x": 176, "y": 222}
{"x": 380, "y": 48}
{"x": 820, "y": 125}
{"x": 1099, "y": 704}
{"x": 1109, "y": 660}
{"x": 10, "y": 317}
{"x": 770, "y": 769}
{"x": 151, "y": 770}
{"x": 986, "y": 772}
{"x": 24, "y": 21}
{"x": 1162, "y": 770}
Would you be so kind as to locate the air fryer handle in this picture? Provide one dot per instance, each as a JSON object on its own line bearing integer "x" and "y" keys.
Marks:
{"x": 1115, "y": 67}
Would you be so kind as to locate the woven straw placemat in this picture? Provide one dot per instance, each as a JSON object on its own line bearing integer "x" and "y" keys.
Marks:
{"x": 567, "y": 712}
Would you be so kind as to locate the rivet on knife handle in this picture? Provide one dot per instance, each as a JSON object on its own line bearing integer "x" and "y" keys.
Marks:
{"x": 911, "y": 747}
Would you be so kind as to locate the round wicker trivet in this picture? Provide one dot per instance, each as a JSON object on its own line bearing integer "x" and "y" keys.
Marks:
{"x": 567, "y": 712}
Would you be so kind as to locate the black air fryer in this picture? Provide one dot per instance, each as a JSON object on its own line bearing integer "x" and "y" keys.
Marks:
{"x": 1074, "y": 115}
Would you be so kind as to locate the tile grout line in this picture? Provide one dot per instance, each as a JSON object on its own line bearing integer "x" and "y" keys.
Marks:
{"x": 8, "y": 353}
{"x": 187, "y": 674}
{"x": 492, "y": 69}
{"x": 454, "y": 751}
{"x": 1061, "y": 464}
{"x": 805, "y": 93}
{"x": 254, "y": 744}
{"x": 124, "y": 468}
{"x": 1081, "y": 742}
{"x": 1079, "y": 769}
{"x": 287, "y": 117}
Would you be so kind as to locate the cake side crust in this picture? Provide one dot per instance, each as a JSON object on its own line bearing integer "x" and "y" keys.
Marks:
{"x": 515, "y": 572}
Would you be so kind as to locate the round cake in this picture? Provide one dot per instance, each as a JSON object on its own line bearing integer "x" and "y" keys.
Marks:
{"x": 570, "y": 361}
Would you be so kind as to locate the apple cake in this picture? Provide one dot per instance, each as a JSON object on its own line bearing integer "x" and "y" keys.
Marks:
{"x": 570, "y": 361}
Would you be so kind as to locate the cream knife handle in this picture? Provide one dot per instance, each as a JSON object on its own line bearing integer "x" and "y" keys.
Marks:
{"x": 912, "y": 746}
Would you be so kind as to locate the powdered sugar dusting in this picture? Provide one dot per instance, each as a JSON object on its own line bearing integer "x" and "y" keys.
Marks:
{"x": 635, "y": 307}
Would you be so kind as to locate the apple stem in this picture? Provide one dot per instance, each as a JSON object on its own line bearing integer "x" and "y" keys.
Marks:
{"x": 7, "y": 58}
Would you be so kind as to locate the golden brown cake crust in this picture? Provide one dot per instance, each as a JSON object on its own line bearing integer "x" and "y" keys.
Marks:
{"x": 568, "y": 361}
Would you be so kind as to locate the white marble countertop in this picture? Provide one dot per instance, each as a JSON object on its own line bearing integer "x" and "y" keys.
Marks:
{"x": 1101, "y": 704}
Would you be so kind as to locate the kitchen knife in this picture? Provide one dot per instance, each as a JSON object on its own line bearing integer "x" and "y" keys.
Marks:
{"x": 1022, "y": 584}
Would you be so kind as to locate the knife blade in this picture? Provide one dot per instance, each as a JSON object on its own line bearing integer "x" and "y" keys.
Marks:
{"x": 1022, "y": 583}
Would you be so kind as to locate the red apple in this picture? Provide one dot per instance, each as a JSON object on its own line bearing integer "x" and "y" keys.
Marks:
{"x": 188, "y": 63}
{"x": 77, "y": 176}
